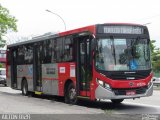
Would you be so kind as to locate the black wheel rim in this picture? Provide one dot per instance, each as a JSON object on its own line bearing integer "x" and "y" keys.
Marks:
{"x": 72, "y": 95}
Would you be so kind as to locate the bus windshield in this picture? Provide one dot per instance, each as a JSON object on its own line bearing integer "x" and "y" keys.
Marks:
{"x": 122, "y": 54}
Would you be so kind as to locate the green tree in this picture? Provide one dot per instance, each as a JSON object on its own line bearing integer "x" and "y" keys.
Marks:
{"x": 155, "y": 57}
{"x": 7, "y": 22}
{"x": 0, "y": 65}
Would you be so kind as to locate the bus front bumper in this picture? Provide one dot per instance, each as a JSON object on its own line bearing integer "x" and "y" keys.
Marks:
{"x": 102, "y": 93}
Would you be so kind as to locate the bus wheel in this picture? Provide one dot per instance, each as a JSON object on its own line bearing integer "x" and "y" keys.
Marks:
{"x": 71, "y": 97}
{"x": 117, "y": 101}
{"x": 24, "y": 88}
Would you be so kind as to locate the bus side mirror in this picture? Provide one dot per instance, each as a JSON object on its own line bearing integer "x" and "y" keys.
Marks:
{"x": 93, "y": 44}
{"x": 93, "y": 48}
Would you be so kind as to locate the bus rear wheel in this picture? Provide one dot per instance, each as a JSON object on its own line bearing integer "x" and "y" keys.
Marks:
{"x": 24, "y": 88}
{"x": 70, "y": 95}
{"x": 117, "y": 101}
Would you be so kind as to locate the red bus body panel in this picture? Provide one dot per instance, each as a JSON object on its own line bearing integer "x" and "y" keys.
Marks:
{"x": 65, "y": 72}
{"x": 91, "y": 28}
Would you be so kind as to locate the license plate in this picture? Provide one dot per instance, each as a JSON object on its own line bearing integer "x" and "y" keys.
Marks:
{"x": 130, "y": 92}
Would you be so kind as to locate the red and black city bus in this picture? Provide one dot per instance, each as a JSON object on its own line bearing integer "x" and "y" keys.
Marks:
{"x": 102, "y": 61}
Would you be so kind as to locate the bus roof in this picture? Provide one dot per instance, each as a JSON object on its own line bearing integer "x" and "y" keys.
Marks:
{"x": 45, "y": 37}
{"x": 91, "y": 28}
{"x": 34, "y": 39}
{"x": 79, "y": 30}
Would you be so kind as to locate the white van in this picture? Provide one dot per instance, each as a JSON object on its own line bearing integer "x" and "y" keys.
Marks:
{"x": 3, "y": 76}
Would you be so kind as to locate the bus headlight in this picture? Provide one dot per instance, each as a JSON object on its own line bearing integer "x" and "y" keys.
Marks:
{"x": 103, "y": 84}
{"x": 107, "y": 86}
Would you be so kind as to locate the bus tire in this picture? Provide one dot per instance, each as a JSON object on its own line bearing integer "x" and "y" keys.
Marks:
{"x": 70, "y": 95}
{"x": 24, "y": 88}
{"x": 117, "y": 101}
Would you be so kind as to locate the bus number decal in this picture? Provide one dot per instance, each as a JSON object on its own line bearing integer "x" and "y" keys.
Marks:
{"x": 62, "y": 70}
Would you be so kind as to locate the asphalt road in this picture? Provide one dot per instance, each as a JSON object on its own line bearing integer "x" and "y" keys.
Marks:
{"x": 48, "y": 107}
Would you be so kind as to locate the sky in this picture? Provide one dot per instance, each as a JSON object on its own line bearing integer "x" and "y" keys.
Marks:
{"x": 33, "y": 19}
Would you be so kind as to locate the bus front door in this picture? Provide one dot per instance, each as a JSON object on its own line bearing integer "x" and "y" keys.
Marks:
{"x": 14, "y": 68}
{"x": 37, "y": 75}
{"x": 84, "y": 69}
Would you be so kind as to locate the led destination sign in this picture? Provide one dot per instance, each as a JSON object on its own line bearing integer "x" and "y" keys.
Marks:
{"x": 122, "y": 29}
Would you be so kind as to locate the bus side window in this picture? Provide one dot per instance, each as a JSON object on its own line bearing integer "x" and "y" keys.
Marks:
{"x": 47, "y": 51}
{"x": 59, "y": 49}
{"x": 68, "y": 49}
{"x": 28, "y": 56}
{"x": 53, "y": 51}
{"x": 20, "y": 55}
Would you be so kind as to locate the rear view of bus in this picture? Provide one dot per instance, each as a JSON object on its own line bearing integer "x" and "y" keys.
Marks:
{"x": 122, "y": 64}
